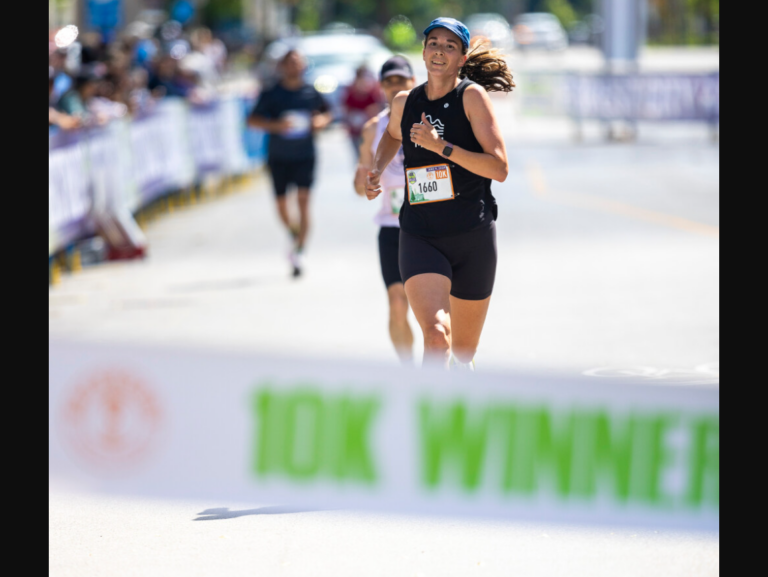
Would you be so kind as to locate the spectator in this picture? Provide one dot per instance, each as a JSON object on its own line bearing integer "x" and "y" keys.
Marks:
{"x": 85, "y": 87}
{"x": 212, "y": 48}
{"x": 107, "y": 102}
{"x": 362, "y": 101}
{"x": 76, "y": 100}
{"x": 165, "y": 79}
{"x": 56, "y": 118}
{"x": 140, "y": 98}
{"x": 100, "y": 80}
{"x": 62, "y": 81}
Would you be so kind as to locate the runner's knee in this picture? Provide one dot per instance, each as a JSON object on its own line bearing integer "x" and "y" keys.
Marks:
{"x": 437, "y": 336}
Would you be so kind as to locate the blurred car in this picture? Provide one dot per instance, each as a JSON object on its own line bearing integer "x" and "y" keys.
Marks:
{"x": 332, "y": 61}
{"x": 586, "y": 31}
{"x": 579, "y": 33}
{"x": 494, "y": 27}
{"x": 540, "y": 30}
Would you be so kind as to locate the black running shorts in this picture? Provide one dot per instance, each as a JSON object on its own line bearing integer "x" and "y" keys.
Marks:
{"x": 389, "y": 244}
{"x": 468, "y": 259}
{"x": 287, "y": 172}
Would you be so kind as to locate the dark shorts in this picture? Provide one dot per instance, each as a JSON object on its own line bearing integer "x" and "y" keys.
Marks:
{"x": 468, "y": 259}
{"x": 287, "y": 172}
{"x": 389, "y": 245}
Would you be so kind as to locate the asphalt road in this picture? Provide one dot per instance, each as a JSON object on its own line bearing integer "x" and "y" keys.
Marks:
{"x": 608, "y": 264}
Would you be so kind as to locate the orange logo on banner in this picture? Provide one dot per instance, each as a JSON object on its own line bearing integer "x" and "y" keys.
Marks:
{"x": 111, "y": 420}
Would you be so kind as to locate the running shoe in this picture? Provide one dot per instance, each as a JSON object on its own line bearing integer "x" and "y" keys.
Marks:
{"x": 296, "y": 262}
{"x": 455, "y": 365}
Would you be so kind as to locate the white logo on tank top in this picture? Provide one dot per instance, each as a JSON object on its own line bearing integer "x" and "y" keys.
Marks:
{"x": 437, "y": 123}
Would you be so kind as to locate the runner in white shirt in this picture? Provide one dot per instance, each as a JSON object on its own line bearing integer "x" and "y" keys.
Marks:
{"x": 396, "y": 76}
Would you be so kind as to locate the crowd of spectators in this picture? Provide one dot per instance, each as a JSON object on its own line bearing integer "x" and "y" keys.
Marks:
{"x": 91, "y": 82}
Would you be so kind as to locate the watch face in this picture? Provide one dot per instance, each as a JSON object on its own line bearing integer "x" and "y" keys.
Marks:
{"x": 447, "y": 150}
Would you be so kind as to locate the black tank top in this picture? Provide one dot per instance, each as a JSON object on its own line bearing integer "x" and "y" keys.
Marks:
{"x": 473, "y": 205}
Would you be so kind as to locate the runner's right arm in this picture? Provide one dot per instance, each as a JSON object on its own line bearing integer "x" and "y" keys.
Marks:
{"x": 366, "y": 154}
{"x": 266, "y": 117}
{"x": 389, "y": 144}
{"x": 276, "y": 126}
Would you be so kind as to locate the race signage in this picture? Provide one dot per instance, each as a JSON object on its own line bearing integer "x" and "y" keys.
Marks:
{"x": 189, "y": 424}
{"x": 429, "y": 184}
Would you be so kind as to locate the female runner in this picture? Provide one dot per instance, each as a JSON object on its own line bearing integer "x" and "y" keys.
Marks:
{"x": 453, "y": 149}
{"x": 396, "y": 75}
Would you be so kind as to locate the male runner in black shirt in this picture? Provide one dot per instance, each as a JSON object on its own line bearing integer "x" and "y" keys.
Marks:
{"x": 291, "y": 112}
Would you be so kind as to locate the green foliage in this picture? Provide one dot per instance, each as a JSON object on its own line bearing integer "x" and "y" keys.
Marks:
{"x": 221, "y": 10}
{"x": 399, "y": 34}
{"x": 563, "y": 10}
{"x": 308, "y": 15}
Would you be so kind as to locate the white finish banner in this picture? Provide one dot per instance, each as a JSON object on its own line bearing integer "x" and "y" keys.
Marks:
{"x": 193, "y": 424}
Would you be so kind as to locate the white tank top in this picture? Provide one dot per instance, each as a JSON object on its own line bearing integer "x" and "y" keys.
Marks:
{"x": 392, "y": 180}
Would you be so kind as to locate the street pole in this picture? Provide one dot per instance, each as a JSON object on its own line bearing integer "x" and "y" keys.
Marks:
{"x": 625, "y": 23}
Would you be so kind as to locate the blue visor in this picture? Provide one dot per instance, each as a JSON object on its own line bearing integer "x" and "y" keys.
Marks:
{"x": 450, "y": 24}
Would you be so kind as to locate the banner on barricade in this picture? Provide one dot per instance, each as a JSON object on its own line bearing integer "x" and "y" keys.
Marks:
{"x": 644, "y": 97}
{"x": 108, "y": 173}
{"x": 189, "y": 424}
{"x": 69, "y": 194}
{"x": 161, "y": 150}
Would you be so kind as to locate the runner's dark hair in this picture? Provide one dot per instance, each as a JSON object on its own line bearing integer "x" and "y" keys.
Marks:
{"x": 487, "y": 66}
{"x": 291, "y": 52}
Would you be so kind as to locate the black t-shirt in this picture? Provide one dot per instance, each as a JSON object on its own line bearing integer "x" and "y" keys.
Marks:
{"x": 298, "y": 106}
{"x": 473, "y": 205}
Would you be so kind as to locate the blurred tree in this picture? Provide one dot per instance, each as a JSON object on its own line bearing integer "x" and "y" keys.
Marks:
{"x": 217, "y": 11}
{"x": 309, "y": 14}
{"x": 563, "y": 10}
{"x": 684, "y": 22}
{"x": 399, "y": 34}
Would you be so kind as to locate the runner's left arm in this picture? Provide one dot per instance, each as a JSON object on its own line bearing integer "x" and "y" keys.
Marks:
{"x": 322, "y": 115}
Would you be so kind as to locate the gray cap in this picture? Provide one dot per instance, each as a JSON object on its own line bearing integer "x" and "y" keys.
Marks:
{"x": 396, "y": 66}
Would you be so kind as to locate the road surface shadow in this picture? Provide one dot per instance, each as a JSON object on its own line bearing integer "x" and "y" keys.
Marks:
{"x": 225, "y": 513}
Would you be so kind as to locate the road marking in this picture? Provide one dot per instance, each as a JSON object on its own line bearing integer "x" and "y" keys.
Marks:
{"x": 707, "y": 374}
{"x": 539, "y": 185}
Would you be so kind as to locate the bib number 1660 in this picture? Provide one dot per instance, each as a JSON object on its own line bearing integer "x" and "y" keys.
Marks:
{"x": 425, "y": 187}
{"x": 429, "y": 184}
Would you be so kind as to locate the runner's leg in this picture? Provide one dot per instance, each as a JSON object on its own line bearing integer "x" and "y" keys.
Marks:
{"x": 282, "y": 211}
{"x": 428, "y": 295}
{"x": 467, "y": 320}
{"x": 280, "y": 174}
{"x": 303, "y": 197}
{"x": 399, "y": 329}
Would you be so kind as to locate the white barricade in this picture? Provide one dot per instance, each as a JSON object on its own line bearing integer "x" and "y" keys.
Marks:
{"x": 162, "y": 151}
{"x": 126, "y": 165}
{"x": 232, "y": 127}
{"x": 69, "y": 194}
{"x": 190, "y": 424}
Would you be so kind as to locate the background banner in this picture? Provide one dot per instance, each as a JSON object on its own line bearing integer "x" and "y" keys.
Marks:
{"x": 119, "y": 168}
{"x": 191, "y": 424}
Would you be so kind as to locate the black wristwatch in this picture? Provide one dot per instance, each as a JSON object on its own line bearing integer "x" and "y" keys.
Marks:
{"x": 448, "y": 149}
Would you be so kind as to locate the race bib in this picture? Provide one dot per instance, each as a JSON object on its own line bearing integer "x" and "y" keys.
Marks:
{"x": 300, "y": 123}
{"x": 396, "y": 200}
{"x": 429, "y": 184}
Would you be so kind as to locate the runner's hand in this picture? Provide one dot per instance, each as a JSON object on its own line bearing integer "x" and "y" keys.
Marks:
{"x": 280, "y": 126}
{"x": 372, "y": 185}
{"x": 425, "y": 135}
